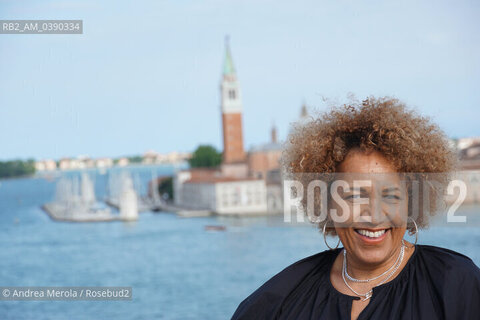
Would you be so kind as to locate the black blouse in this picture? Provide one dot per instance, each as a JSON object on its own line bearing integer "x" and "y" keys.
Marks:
{"x": 435, "y": 283}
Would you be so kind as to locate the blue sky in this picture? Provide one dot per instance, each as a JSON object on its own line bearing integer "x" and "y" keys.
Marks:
{"x": 145, "y": 74}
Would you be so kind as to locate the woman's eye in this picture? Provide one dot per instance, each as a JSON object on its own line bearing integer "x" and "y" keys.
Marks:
{"x": 392, "y": 196}
{"x": 353, "y": 196}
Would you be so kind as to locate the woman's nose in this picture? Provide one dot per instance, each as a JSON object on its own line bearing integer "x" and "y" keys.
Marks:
{"x": 372, "y": 212}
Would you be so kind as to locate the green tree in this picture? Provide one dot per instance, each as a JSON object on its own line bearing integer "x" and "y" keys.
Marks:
{"x": 17, "y": 168}
{"x": 135, "y": 159}
{"x": 205, "y": 156}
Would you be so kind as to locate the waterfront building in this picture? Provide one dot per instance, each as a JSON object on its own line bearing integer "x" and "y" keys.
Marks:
{"x": 45, "y": 165}
{"x": 152, "y": 157}
{"x": 225, "y": 195}
{"x": 149, "y": 157}
{"x": 123, "y": 162}
{"x": 103, "y": 162}
{"x": 71, "y": 164}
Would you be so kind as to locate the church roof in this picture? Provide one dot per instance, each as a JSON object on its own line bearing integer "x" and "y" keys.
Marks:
{"x": 270, "y": 146}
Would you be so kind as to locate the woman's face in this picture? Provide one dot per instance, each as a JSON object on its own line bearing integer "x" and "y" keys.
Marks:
{"x": 377, "y": 204}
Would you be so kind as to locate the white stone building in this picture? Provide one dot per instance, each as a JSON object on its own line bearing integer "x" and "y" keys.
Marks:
{"x": 205, "y": 189}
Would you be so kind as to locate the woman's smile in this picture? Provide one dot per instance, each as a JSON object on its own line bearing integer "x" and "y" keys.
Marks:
{"x": 372, "y": 236}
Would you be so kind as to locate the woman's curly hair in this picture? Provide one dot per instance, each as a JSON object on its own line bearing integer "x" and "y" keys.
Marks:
{"x": 411, "y": 142}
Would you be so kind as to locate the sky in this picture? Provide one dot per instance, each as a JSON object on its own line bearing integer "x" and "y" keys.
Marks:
{"x": 145, "y": 75}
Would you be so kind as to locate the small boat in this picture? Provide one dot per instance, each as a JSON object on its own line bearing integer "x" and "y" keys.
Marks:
{"x": 215, "y": 228}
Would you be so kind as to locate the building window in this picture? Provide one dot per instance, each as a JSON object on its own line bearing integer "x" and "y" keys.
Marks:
{"x": 233, "y": 199}
{"x": 249, "y": 197}
{"x": 225, "y": 200}
{"x": 231, "y": 94}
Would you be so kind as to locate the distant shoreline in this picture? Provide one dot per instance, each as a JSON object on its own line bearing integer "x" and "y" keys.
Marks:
{"x": 42, "y": 174}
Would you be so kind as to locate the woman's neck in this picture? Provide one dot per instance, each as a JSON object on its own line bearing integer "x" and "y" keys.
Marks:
{"x": 361, "y": 270}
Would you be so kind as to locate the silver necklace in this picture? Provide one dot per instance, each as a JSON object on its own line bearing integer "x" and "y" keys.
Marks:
{"x": 368, "y": 294}
{"x": 349, "y": 277}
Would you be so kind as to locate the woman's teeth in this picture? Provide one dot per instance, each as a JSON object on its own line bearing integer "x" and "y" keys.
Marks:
{"x": 371, "y": 234}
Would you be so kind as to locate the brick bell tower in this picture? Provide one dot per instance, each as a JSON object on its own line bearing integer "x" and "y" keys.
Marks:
{"x": 231, "y": 107}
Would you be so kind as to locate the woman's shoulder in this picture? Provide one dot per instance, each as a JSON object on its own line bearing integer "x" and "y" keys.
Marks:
{"x": 268, "y": 298}
{"x": 447, "y": 260}
{"x": 448, "y": 271}
{"x": 454, "y": 280}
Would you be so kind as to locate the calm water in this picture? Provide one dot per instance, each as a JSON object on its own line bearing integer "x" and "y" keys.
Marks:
{"x": 176, "y": 268}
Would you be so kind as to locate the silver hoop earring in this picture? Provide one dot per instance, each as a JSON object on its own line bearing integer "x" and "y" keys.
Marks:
{"x": 416, "y": 230}
{"x": 325, "y": 238}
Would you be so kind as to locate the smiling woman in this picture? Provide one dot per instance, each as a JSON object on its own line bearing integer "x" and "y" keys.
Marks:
{"x": 377, "y": 274}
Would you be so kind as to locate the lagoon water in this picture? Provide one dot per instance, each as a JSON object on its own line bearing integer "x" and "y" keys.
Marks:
{"x": 177, "y": 269}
